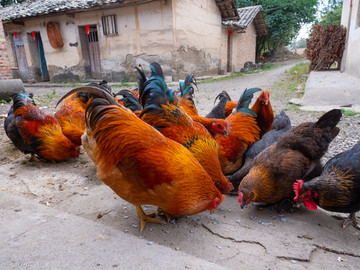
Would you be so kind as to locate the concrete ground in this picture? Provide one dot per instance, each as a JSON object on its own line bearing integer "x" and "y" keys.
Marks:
{"x": 326, "y": 90}
{"x": 60, "y": 216}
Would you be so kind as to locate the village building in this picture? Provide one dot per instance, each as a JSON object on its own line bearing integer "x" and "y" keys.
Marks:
{"x": 5, "y": 68}
{"x": 350, "y": 18}
{"x": 61, "y": 40}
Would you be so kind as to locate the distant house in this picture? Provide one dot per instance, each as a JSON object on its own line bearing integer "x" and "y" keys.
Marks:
{"x": 243, "y": 46}
{"x": 62, "y": 40}
{"x": 350, "y": 18}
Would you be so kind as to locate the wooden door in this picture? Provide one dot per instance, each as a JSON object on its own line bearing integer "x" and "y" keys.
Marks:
{"x": 43, "y": 66}
{"x": 21, "y": 57}
{"x": 94, "y": 52}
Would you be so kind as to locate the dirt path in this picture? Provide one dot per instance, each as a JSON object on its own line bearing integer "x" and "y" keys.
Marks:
{"x": 250, "y": 238}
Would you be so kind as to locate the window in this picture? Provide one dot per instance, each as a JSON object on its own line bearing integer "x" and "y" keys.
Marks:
{"x": 109, "y": 25}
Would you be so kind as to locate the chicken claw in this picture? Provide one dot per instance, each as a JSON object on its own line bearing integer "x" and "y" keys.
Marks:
{"x": 144, "y": 218}
{"x": 351, "y": 219}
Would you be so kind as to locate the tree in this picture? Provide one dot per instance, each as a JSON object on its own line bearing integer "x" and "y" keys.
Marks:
{"x": 332, "y": 14}
{"x": 301, "y": 43}
{"x": 283, "y": 19}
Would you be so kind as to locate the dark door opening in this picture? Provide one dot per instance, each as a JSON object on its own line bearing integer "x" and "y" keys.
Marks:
{"x": 43, "y": 66}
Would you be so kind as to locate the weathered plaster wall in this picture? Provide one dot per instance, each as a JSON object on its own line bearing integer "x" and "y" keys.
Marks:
{"x": 351, "y": 20}
{"x": 243, "y": 47}
{"x": 5, "y": 67}
{"x": 198, "y": 37}
{"x": 182, "y": 35}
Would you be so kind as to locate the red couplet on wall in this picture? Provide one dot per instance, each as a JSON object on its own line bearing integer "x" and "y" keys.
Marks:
{"x": 87, "y": 27}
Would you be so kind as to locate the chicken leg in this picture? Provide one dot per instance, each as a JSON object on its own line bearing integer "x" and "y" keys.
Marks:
{"x": 144, "y": 218}
{"x": 351, "y": 219}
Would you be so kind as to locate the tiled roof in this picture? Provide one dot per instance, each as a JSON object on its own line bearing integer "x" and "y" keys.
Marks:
{"x": 247, "y": 16}
{"x": 42, "y": 7}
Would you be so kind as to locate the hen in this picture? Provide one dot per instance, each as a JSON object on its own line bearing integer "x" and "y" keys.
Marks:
{"x": 142, "y": 166}
{"x": 296, "y": 155}
{"x": 218, "y": 112}
{"x": 243, "y": 132}
{"x": 33, "y": 131}
{"x": 162, "y": 112}
{"x": 337, "y": 188}
{"x": 280, "y": 125}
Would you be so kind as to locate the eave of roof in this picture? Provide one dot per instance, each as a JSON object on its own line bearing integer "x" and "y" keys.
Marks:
{"x": 248, "y": 15}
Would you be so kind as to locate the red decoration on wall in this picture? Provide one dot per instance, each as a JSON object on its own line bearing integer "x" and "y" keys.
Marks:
{"x": 87, "y": 27}
{"x": 15, "y": 35}
{"x": 229, "y": 32}
{"x": 262, "y": 58}
{"x": 33, "y": 35}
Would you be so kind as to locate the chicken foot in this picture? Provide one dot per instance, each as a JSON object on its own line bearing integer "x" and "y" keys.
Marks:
{"x": 351, "y": 220}
{"x": 144, "y": 218}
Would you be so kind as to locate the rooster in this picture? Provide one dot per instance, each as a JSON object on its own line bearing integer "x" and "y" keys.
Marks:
{"x": 142, "y": 166}
{"x": 130, "y": 99}
{"x": 263, "y": 109}
{"x": 33, "y": 131}
{"x": 71, "y": 114}
{"x": 337, "y": 188}
{"x": 218, "y": 112}
{"x": 162, "y": 112}
{"x": 296, "y": 155}
{"x": 265, "y": 115}
{"x": 243, "y": 132}
{"x": 214, "y": 126}
{"x": 280, "y": 125}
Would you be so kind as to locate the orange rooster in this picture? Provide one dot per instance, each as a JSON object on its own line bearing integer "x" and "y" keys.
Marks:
{"x": 173, "y": 122}
{"x": 243, "y": 131}
{"x": 142, "y": 166}
{"x": 265, "y": 115}
{"x": 71, "y": 114}
{"x": 263, "y": 109}
{"x": 35, "y": 132}
{"x": 214, "y": 126}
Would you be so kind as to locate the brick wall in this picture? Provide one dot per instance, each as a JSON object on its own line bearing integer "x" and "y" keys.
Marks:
{"x": 5, "y": 68}
{"x": 244, "y": 48}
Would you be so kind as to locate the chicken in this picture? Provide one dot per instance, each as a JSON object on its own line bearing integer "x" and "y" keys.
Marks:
{"x": 296, "y": 155}
{"x": 214, "y": 126}
{"x": 265, "y": 115}
{"x": 33, "y": 131}
{"x": 218, "y": 112}
{"x": 337, "y": 189}
{"x": 173, "y": 122}
{"x": 280, "y": 125}
{"x": 71, "y": 116}
{"x": 130, "y": 100}
{"x": 263, "y": 109}
{"x": 243, "y": 132}
{"x": 142, "y": 166}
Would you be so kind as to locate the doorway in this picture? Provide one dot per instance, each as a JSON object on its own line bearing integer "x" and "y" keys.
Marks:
{"x": 90, "y": 51}
{"x": 39, "y": 68}
{"x": 24, "y": 71}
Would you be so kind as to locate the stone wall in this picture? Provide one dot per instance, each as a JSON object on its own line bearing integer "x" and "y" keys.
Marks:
{"x": 5, "y": 68}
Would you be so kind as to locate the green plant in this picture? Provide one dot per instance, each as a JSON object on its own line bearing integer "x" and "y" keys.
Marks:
{"x": 292, "y": 107}
{"x": 347, "y": 112}
{"x": 52, "y": 95}
{"x": 3, "y": 101}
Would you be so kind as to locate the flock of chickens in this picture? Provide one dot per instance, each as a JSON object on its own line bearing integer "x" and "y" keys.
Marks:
{"x": 151, "y": 147}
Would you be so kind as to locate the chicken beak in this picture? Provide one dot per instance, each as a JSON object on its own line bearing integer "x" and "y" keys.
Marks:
{"x": 225, "y": 133}
{"x": 212, "y": 211}
{"x": 266, "y": 102}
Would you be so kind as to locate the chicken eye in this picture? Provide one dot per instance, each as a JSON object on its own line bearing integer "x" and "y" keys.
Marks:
{"x": 218, "y": 125}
